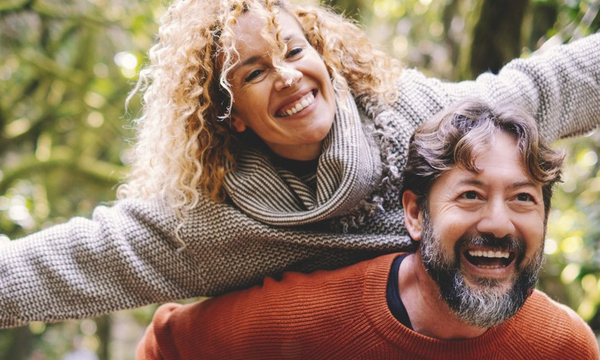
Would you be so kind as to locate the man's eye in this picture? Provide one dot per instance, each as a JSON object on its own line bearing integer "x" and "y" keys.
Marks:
{"x": 253, "y": 75}
{"x": 524, "y": 197}
{"x": 469, "y": 195}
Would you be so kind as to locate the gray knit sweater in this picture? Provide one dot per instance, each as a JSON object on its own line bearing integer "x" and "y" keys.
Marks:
{"x": 127, "y": 255}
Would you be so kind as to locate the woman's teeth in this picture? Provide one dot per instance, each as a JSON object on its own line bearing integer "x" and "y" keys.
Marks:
{"x": 299, "y": 105}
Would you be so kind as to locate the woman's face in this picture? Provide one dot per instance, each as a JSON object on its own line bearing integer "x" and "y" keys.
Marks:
{"x": 290, "y": 107}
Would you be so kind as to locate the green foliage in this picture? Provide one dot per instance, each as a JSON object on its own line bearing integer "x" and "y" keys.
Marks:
{"x": 65, "y": 72}
{"x": 573, "y": 249}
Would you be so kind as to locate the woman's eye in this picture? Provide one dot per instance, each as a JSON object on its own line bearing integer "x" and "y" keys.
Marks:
{"x": 295, "y": 51}
{"x": 253, "y": 75}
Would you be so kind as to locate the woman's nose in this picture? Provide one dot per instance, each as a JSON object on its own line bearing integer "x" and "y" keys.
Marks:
{"x": 286, "y": 77}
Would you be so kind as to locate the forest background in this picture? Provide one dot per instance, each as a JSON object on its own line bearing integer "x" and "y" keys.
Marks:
{"x": 66, "y": 67}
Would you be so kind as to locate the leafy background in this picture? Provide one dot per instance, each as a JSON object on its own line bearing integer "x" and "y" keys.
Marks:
{"x": 67, "y": 66}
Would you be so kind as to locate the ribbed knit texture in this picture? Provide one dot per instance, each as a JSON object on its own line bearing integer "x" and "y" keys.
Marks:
{"x": 343, "y": 314}
{"x": 128, "y": 256}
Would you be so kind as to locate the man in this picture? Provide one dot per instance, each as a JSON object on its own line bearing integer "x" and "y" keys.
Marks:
{"x": 477, "y": 189}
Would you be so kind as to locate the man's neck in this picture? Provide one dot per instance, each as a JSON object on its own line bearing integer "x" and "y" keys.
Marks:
{"x": 428, "y": 312}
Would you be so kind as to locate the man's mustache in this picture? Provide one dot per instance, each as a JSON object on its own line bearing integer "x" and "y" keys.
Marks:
{"x": 506, "y": 243}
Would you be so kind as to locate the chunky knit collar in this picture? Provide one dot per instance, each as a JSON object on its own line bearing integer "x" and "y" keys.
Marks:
{"x": 348, "y": 170}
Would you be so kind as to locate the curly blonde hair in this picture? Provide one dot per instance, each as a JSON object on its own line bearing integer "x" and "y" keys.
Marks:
{"x": 185, "y": 145}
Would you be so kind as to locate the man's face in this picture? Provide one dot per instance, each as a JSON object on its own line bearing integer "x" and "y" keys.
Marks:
{"x": 483, "y": 235}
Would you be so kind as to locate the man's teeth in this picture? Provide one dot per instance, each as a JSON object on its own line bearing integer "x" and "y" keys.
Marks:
{"x": 300, "y": 105}
{"x": 490, "y": 254}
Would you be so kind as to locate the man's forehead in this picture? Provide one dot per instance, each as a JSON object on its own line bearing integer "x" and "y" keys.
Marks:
{"x": 467, "y": 177}
{"x": 500, "y": 159}
{"x": 508, "y": 175}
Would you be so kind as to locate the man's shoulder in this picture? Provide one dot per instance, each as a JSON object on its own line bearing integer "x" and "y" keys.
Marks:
{"x": 555, "y": 328}
{"x": 554, "y": 311}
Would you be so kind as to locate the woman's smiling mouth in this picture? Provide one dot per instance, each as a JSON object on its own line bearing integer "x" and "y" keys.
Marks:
{"x": 297, "y": 106}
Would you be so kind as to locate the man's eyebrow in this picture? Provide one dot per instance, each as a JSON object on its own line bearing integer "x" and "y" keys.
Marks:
{"x": 473, "y": 182}
{"x": 523, "y": 183}
{"x": 515, "y": 185}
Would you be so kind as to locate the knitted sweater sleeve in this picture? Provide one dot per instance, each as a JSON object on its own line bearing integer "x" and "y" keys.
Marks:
{"x": 125, "y": 256}
{"x": 560, "y": 88}
{"x": 128, "y": 255}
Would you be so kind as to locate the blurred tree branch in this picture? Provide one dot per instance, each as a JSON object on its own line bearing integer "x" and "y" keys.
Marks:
{"x": 13, "y": 5}
{"x": 93, "y": 169}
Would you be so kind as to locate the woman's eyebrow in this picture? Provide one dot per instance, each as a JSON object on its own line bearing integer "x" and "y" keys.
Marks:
{"x": 256, "y": 58}
{"x": 248, "y": 61}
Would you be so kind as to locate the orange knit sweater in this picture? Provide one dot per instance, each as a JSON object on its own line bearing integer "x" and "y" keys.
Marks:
{"x": 343, "y": 314}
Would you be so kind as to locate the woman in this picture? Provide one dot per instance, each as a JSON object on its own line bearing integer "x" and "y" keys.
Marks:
{"x": 273, "y": 138}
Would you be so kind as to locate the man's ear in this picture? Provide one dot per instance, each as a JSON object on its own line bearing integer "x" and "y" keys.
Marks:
{"x": 413, "y": 216}
{"x": 237, "y": 124}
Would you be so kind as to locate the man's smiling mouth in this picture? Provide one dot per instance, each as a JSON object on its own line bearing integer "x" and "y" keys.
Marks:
{"x": 297, "y": 106}
{"x": 490, "y": 259}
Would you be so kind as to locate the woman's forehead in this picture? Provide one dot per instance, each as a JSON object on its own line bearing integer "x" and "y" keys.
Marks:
{"x": 251, "y": 25}
{"x": 258, "y": 35}
{"x": 253, "y": 37}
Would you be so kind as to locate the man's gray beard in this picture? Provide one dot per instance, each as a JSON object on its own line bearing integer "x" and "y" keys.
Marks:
{"x": 487, "y": 305}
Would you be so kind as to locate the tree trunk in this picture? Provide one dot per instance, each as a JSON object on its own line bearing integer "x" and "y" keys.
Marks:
{"x": 104, "y": 325}
{"x": 543, "y": 17}
{"x": 452, "y": 39}
{"x": 497, "y": 35}
{"x": 20, "y": 344}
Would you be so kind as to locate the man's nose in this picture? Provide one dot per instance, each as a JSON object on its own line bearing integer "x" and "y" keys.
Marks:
{"x": 286, "y": 77}
{"x": 496, "y": 219}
